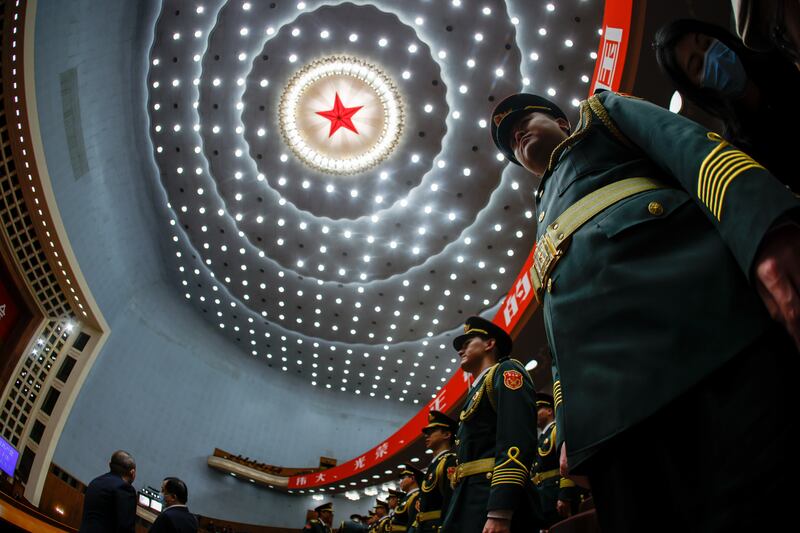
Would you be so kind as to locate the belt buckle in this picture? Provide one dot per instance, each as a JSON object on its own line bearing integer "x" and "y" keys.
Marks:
{"x": 544, "y": 259}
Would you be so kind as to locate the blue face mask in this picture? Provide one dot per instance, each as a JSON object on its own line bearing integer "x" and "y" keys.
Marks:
{"x": 723, "y": 72}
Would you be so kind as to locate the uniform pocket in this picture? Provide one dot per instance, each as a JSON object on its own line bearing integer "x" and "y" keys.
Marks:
{"x": 643, "y": 208}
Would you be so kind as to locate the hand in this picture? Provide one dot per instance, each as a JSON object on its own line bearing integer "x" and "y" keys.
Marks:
{"x": 497, "y": 525}
{"x": 777, "y": 273}
{"x": 564, "y": 509}
{"x": 563, "y": 467}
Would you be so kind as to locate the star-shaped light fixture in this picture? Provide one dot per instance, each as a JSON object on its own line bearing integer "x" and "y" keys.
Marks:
{"x": 340, "y": 116}
{"x": 352, "y": 80}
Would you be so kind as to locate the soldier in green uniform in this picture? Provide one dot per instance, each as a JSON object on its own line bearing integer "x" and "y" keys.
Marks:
{"x": 435, "y": 490}
{"x": 558, "y": 494}
{"x": 406, "y": 511}
{"x": 321, "y": 524}
{"x": 496, "y": 440}
{"x": 382, "y": 514}
{"x": 393, "y": 499}
{"x": 663, "y": 256}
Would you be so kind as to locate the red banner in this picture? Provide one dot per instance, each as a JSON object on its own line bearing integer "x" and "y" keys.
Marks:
{"x": 607, "y": 75}
{"x": 613, "y": 46}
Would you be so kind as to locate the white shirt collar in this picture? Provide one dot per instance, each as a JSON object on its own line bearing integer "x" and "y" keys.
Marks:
{"x": 412, "y": 491}
{"x": 485, "y": 370}
{"x": 548, "y": 426}
{"x": 177, "y": 505}
{"x": 439, "y": 455}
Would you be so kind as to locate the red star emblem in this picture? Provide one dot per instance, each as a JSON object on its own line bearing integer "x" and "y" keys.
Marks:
{"x": 340, "y": 116}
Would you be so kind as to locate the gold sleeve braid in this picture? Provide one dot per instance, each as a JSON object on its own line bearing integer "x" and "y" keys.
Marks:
{"x": 557, "y": 396}
{"x": 511, "y": 471}
{"x": 717, "y": 172}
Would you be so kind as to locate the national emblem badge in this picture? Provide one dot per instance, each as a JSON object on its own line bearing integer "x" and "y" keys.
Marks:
{"x": 512, "y": 379}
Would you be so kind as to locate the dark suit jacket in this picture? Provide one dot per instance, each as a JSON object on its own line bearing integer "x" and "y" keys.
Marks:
{"x": 109, "y": 506}
{"x": 175, "y": 519}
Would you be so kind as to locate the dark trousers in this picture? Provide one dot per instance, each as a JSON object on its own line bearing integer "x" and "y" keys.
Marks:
{"x": 720, "y": 458}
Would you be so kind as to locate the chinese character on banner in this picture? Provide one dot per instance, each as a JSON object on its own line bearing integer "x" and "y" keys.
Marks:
{"x": 438, "y": 403}
{"x": 612, "y": 40}
{"x": 510, "y": 309}
{"x": 360, "y": 462}
{"x": 301, "y": 481}
{"x": 382, "y": 450}
{"x": 319, "y": 478}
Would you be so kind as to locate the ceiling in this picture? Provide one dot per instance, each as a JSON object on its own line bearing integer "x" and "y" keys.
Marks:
{"x": 355, "y": 276}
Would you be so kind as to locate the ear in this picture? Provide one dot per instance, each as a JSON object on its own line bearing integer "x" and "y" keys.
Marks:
{"x": 490, "y": 344}
{"x": 564, "y": 125}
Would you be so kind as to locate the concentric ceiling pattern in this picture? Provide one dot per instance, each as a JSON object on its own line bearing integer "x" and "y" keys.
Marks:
{"x": 336, "y": 202}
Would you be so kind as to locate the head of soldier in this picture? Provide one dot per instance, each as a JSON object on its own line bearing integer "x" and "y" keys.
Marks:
{"x": 440, "y": 432}
{"x": 544, "y": 410}
{"x": 123, "y": 465}
{"x": 482, "y": 344}
{"x": 407, "y": 481}
{"x": 381, "y": 511}
{"x": 437, "y": 438}
{"x": 392, "y": 501}
{"x": 325, "y": 513}
{"x": 527, "y": 129}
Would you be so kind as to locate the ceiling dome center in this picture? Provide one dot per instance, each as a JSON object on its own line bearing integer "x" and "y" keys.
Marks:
{"x": 341, "y": 115}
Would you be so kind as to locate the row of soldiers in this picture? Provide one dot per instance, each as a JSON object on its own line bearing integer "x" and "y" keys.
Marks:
{"x": 485, "y": 465}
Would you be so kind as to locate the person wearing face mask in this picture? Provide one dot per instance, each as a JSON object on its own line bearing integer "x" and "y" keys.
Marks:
{"x": 752, "y": 93}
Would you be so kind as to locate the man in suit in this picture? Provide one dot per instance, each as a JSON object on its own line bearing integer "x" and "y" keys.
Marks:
{"x": 175, "y": 518}
{"x": 109, "y": 505}
{"x": 324, "y": 520}
{"x": 667, "y": 266}
{"x": 496, "y": 440}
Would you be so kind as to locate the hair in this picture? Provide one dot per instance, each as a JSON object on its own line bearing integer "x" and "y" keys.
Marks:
{"x": 177, "y": 488}
{"x": 763, "y": 69}
{"x": 121, "y": 463}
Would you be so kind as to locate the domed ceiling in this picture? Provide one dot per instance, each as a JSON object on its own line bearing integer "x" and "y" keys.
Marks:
{"x": 338, "y": 207}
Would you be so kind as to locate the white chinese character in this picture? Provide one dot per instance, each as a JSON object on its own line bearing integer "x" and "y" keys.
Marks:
{"x": 382, "y": 450}
{"x": 360, "y": 462}
{"x": 301, "y": 481}
{"x": 320, "y": 477}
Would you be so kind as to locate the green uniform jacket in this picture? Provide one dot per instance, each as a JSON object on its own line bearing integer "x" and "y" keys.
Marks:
{"x": 497, "y": 422}
{"x": 316, "y": 526}
{"x": 435, "y": 492}
{"x": 405, "y": 513}
{"x": 554, "y": 487}
{"x": 652, "y": 294}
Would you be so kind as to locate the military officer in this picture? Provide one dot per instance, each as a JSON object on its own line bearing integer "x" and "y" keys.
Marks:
{"x": 321, "y": 524}
{"x": 382, "y": 516}
{"x": 558, "y": 494}
{"x": 393, "y": 499}
{"x": 663, "y": 256}
{"x": 435, "y": 489}
{"x": 406, "y": 511}
{"x": 496, "y": 440}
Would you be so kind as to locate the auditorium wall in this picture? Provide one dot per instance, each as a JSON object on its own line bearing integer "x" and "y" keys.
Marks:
{"x": 166, "y": 386}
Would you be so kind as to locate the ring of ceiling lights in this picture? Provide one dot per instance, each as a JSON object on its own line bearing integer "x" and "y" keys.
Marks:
{"x": 342, "y": 290}
{"x": 324, "y": 194}
{"x": 380, "y": 130}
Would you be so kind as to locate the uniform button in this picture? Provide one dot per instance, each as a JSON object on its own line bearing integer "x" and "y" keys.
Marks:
{"x": 457, "y": 442}
{"x": 488, "y": 475}
{"x": 541, "y": 216}
{"x": 655, "y": 208}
